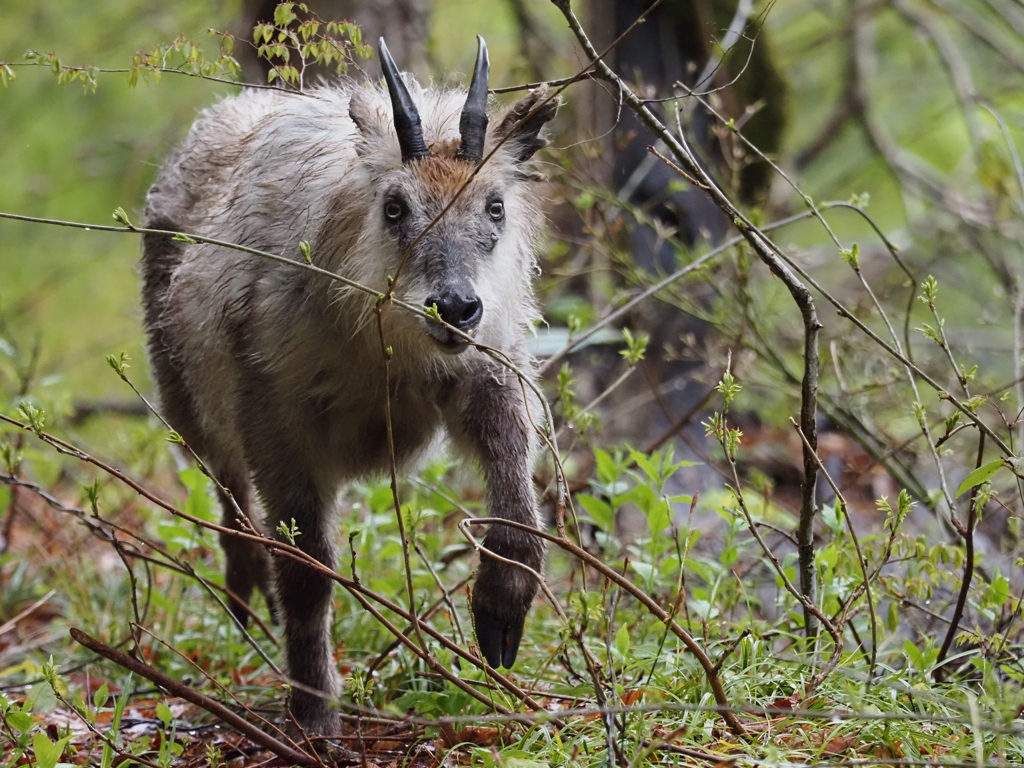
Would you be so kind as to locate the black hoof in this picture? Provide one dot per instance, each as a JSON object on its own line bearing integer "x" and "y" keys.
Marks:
{"x": 498, "y": 636}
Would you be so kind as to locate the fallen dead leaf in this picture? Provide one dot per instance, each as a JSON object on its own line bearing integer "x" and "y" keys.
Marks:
{"x": 481, "y": 737}
{"x": 790, "y": 702}
{"x": 629, "y": 698}
{"x": 839, "y": 744}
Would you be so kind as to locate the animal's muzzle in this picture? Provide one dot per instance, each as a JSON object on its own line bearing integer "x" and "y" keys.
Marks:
{"x": 461, "y": 311}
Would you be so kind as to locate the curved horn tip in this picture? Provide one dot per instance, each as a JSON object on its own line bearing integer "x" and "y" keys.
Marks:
{"x": 483, "y": 60}
{"x": 387, "y": 63}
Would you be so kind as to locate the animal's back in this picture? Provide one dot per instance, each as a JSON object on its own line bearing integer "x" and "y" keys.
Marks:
{"x": 244, "y": 156}
{"x": 259, "y": 170}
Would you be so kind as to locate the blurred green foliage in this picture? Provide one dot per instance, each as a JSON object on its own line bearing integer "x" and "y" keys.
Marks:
{"x": 68, "y": 153}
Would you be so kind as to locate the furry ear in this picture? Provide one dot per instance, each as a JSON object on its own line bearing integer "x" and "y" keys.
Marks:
{"x": 368, "y": 120}
{"x": 522, "y": 124}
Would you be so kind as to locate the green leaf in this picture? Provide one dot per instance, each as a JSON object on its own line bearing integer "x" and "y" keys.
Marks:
{"x": 645, "y": 464}
{"x": 828, "y": 557}
{"x": 283, "y": 15}
{"x": 830, "y": 514}
{"x": 114, "y": 731}
{"x": 121, "y": 217}
{"x": 979, "y": 476}
{"x": 164, "y": 713}
{"x": 636, "y": 346}
{"x": 608, "y": 470}
{"x": 600, "y": 511}
{"x": 729, "y": 557}
{"x": 643, "y": 496}
{"x": 198, "y": 484}
{"x": 645, "y": 570}
{"x": 47, "y": 752}
{"x": 20, "y": 721}
{"x": 659, "y": 517}
{"x": 974, "y": 403}
{"x": 913, "y": 654}
{"x": 100, "y": 697}
{"x": 622, "y": 641}
{"x": 998, "y": 591}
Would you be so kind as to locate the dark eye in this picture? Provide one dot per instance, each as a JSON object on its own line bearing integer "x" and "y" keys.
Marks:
{"x": 394, "y": 210}
{"x": 496, "y": 210}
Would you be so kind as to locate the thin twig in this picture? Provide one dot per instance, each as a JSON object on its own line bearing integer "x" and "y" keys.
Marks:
{"x": 212, "y": 706}
{"x": 967, "y": 578}
{"x": 866, "y": 584}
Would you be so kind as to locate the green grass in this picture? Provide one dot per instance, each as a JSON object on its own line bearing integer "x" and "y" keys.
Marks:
{"x": 731, "y": 604}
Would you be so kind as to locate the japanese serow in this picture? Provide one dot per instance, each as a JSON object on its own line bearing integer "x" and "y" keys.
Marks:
{"x": 275, "y": 375}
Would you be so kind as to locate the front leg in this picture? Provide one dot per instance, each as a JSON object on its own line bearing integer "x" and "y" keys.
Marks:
{"x": 283, "y": 470}
{"x": 489, "y": 420}
{"x": 304, "y": 596}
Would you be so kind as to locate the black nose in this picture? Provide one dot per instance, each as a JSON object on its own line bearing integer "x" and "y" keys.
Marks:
{"x": 462, "y": 311}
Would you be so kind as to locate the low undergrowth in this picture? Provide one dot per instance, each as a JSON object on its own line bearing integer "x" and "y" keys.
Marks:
{"x": 600, "y": 677}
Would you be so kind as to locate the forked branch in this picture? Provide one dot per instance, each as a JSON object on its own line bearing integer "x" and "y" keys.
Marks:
{"x": 762, "y": 246}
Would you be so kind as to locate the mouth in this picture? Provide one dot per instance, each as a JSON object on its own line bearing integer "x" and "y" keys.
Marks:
{"x": 447, "y": 341}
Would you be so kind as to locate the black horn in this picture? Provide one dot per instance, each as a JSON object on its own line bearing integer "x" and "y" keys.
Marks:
{"x": 407, "y": 117}
{"x": 473, "y": 123}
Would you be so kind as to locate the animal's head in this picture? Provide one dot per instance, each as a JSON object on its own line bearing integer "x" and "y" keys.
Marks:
{"x": 454, "y": 212}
